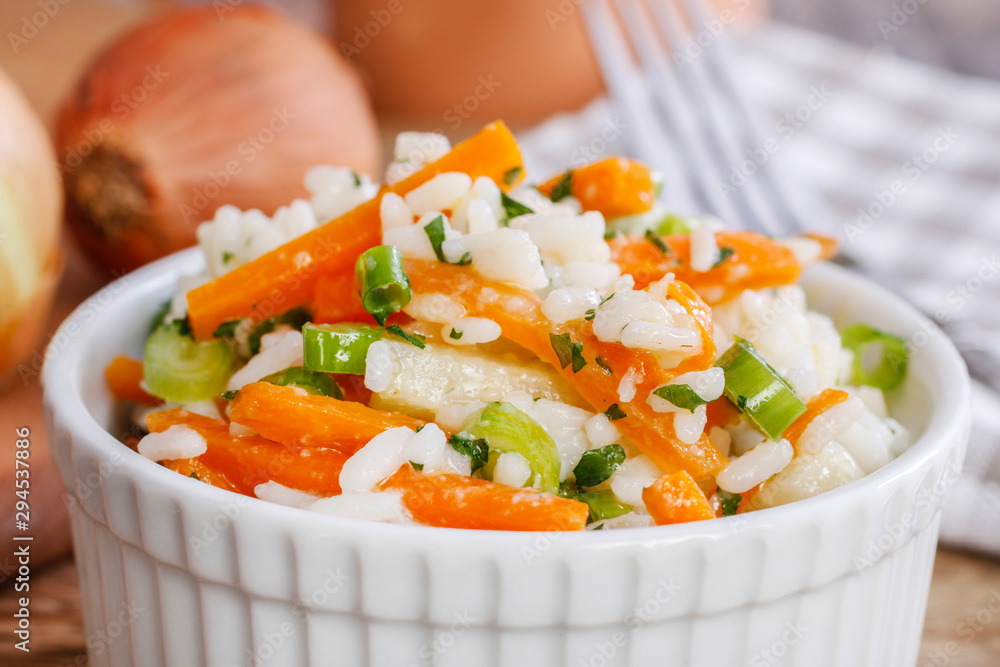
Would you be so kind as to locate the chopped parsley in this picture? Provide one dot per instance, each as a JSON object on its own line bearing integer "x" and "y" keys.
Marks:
{"x": 730, "y": 502}
{"x": 725, "y": 252}
{"x": 597, "y": 465}
{"x": 655, "y": 239}
{"x": 477, "y": 449}
{"x": 230, "y": 395}
{"x": 681, "y": 395}
{"x": 357, "y": 179}
{"x": 564, "y": 188}
{"x": 227, "y": 257}
{"x": 602, "y": 506}
{"x": 464, "y": 259}
{"x": 226, "y": 329}
{"x": 513, "y": 208}
{"x": 600, "y": 362}
{"x": 419, "y": 467}
{"x": 435, "y": 233}
{"x": 417, "y": 339}
{"x": 567, "y": 351}
{"x": 615, "y": 412}
{"x": 511, "y": 176}
{"x": 456, "y": 335}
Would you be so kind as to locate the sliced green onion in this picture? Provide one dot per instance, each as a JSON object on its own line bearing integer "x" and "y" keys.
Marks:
{"x": 564, "y": 188}
{"x": 508, "y": 429}
{"x": 337, "y": 348}
{"x": 385, "y": 287}
{"x": 179, "y": 370}
{"x": 758, "y": 390}
{"x": 513, "y": 208}
{"x": 597, "y": 465}
{"x": 602, "y": 506}
{"x": 880, "y": 358}
{"x": 477, "y": 449}
{"x": 313, "y": 382}
{"x": 681, "y": 395}
{"x": 674, "y": 224}
{"x": 567, "y": 351}
{"x": 730, "y": 502}
{"x": 435, "y": 233}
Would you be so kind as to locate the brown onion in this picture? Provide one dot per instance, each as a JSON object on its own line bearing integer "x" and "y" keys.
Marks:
{"x": 30, "y": 211}
{"x": 198, "y": 108}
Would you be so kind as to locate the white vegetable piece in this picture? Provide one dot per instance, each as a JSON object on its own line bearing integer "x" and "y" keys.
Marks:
{"x": 756, "y": 466}
{"x": 177, "y": 442}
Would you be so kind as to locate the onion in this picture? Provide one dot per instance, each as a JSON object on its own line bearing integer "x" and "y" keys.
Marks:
{"x": 198, "y": 108}
{"x": 30, "y": 210}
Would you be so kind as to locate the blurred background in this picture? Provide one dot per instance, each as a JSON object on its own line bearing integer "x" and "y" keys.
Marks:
{"x": 856, "y": 92}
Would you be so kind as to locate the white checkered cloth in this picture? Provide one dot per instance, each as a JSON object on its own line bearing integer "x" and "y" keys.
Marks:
{"x": 916, "y": 150}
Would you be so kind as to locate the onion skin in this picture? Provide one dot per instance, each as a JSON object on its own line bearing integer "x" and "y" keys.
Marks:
{"x": 198, "y": 108}
{"x": 30, "y": 214}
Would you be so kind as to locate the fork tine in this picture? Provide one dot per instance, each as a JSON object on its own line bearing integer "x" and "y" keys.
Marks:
{"x": 677, "y": 115}
{"x": 794, "y": 208}
{"x": 726, "y": 126}
{"x": 643, "y": 132}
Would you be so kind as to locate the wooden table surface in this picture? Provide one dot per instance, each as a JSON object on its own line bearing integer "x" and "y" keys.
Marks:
{"x": 963, "y": 617}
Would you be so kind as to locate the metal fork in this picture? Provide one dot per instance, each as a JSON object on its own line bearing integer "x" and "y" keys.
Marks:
{"x": 690, "y": 120}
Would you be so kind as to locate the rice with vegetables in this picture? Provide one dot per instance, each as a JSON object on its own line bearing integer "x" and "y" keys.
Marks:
{"x": 457, "y": 349}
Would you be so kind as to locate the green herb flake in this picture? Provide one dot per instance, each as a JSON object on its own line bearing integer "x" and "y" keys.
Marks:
{"x": 435, "y": 232}
{"x": 725, "y": 252}
{"x": 681, "y": 395}
{"x": 590, "y": 314}
{"x": 597, "y": 465}
{"x": 564, "y": 188}
{"x": 511, "y": 176}
{"x": 567, "y": 351}
{"x": 455, "y": 335}
{"x": 513, "y": 208}
{"x": 419, "y": 467}
{"x": 615, "y": 412}
{"x": 357, "y": 179}
{"x": 655, "y": 239}
{"x": 477, "y": 449}
{"x": 194, "y": 475}
{"x": 226, "y": 329}
{"x": 602, "y": 506}
{"x": 230, "y": 395}
{"x": 227, "y": 257}
{"x": 417, "y": 339}
{"x": 607, "y": 369}
{"x": 464, "y": 259}
{"x": 730, "y": 502}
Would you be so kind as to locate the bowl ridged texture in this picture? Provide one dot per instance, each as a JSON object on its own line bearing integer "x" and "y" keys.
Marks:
{"x": 175, "y": 572}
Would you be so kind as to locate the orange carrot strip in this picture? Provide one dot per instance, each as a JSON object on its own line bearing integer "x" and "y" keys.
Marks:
{"x": 828, "y": 245}
{"x": 124, "y": 376}
{"x": 747, "y": 496}
{"x": 251, "y": 460}
{"x": 519, "y": 315}
{"x": 455, "y": 501}
{"x": 296, "y": 419}
{"x": 757, "y": 262}
{"x": 816, "y": 406}
{"x": 676, "y": 498}
{"x": 199, "y": 470}
{"x": 721, "y": 412}
{"x": 286, "y": 277}
{"x": 336, "y": 299}
{"x": 615, "y": 186}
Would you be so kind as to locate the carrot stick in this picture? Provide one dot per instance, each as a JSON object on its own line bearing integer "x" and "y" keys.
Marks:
{"x": 455, "y": 501}
{"x": 816, "y": 406}
{"x": 746, "y": 497}
{"x": 721, "y": 412}
{"x": 336, "y": 299}
{"x": 297, "y": 419}
{"x": 519, "y": 315}
{"x": 247, "y": 461}
{"x": 676, "y": 498}
{"x": 757, "y": 262}
{"x": 124, "y": 376}
{"x": 286, "y": 277}
{"x": 615, "y": 186}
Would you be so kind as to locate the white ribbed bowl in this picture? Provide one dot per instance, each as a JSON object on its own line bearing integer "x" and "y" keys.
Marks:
{"x": 176, "y": 572}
